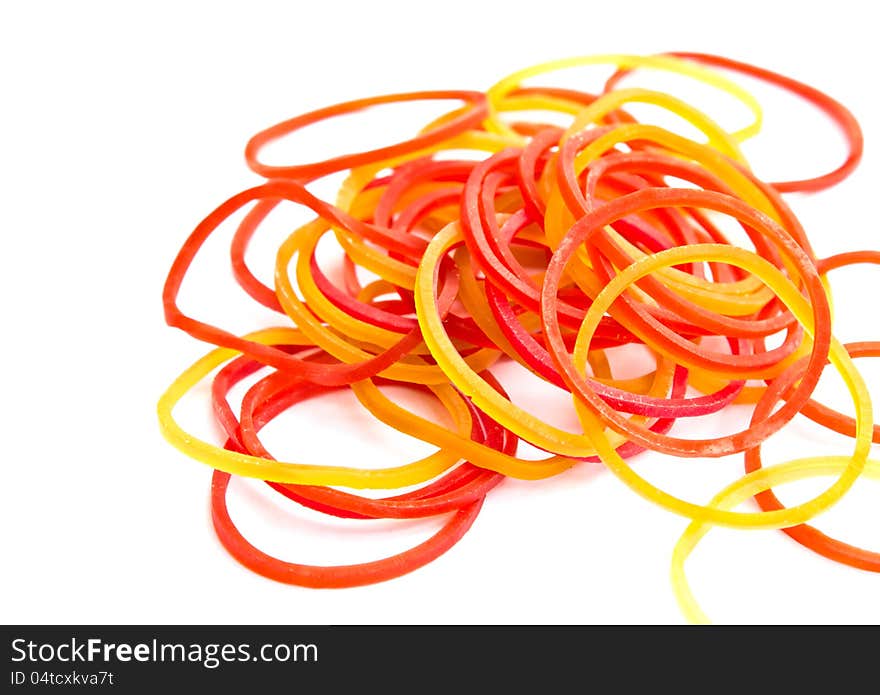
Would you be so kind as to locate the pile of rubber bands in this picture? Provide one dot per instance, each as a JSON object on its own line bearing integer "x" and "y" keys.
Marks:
{"x": 550, "y": 246}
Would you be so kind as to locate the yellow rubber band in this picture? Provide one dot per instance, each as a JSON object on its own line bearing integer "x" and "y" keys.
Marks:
{"x": 505, "y": 86}
{"x": 306, "y": 474}
{"x": 737, "y": 492}
{"x": 594, "y": 428}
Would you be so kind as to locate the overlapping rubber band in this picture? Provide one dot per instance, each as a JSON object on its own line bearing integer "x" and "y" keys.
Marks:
{"x": 484, "y": 237}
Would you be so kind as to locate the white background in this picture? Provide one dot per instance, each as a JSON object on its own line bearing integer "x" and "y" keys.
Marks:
{"x": 123, "y": 125}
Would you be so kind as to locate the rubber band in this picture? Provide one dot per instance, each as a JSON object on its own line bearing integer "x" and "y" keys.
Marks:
{"x": 842, "y": 116}
{"x": 463, "y": 121}
{"x": 463, "y": 485}
{"x": 741, "y": 490}
{"x": 667, "y": 63}
{"x": 594, "y": 428}
{"x": 239, "y": 463}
